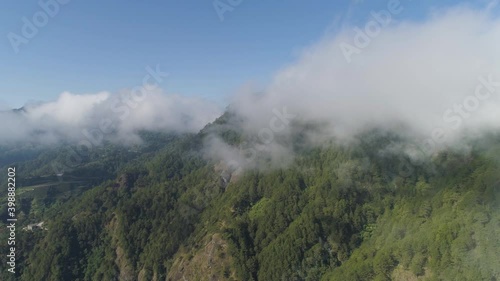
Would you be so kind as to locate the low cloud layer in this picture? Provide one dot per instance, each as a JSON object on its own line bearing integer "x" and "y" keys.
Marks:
{"x": 94, "y": 117}
{"x": 440, "y": 73}
{"x": 437, "y": 79}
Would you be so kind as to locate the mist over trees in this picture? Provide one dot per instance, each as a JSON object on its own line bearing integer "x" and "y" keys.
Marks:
{"x": 337, "y": 212}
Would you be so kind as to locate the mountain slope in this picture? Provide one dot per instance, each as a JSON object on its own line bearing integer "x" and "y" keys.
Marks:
{"x": 336, "y": 212}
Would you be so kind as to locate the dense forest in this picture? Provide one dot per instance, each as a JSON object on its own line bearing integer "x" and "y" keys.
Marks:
{"x": 163, "y": 211}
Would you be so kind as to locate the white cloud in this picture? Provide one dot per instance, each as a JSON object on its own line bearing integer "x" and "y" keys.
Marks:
{"x": 419, "y": 78}
{"x": 411, "y": 73}
{"x": 68, "y": 109}
{"x": 115, "y": 116}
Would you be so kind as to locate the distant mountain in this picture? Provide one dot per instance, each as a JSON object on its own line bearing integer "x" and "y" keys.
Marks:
{"x": 22, "y": 109}
{"x": 15, "y": 110}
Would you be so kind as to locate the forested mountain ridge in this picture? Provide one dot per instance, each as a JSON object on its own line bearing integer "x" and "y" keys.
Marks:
{"x": 336, "y": 212}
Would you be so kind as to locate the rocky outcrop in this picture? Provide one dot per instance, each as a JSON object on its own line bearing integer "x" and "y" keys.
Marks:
{"x": 211, "y": 262}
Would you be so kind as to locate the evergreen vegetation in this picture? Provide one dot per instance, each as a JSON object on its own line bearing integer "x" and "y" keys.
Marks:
{"x": 338, "y": 212}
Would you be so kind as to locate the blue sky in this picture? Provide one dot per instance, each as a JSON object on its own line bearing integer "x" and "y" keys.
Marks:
{"x": 91, "y": 46}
